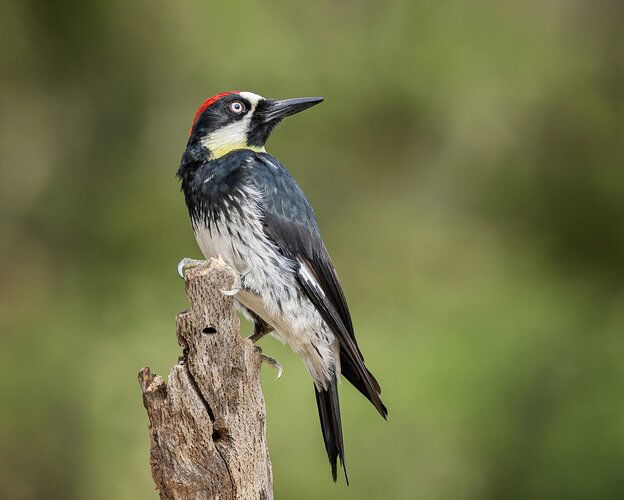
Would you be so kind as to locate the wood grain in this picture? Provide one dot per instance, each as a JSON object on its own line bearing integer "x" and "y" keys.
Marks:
{"x": 208, "y": 422}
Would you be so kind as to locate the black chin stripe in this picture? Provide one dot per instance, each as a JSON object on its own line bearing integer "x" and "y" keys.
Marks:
{"x": 259, "y": 132}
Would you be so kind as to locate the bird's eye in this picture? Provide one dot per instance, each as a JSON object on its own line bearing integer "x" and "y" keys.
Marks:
{"x": 237, "y": 107}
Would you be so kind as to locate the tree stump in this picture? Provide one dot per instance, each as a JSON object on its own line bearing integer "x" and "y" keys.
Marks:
{"x": 208, "y": 422}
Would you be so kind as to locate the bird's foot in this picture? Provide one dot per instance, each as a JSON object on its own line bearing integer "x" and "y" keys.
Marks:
{"x": 185, "y": 264}
{"x": 271, "y": 362}
{"x": 261, "y": 327}
{"x": 235, "y": 289}
{"x": 238, "y": 284}
{"x": 274, "y": 363}
{"x": 256, "y": 336}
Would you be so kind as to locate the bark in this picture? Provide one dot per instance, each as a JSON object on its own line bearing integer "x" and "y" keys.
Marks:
{"x": 208, "y": 422}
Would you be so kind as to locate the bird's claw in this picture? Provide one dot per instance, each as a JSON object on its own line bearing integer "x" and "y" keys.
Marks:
{"x": 231, "y": 292}
{"x": 274, "y": 363}
{"x": 185, "y": 264}
{"x": 235, "y": 288}
{"x": 271, "y": 362}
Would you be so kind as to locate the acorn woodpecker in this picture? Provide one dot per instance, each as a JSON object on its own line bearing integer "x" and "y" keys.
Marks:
{"x": 246, "y": 207}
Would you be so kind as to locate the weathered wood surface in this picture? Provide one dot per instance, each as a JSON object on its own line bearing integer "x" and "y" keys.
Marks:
{"x": 207, "y": 423}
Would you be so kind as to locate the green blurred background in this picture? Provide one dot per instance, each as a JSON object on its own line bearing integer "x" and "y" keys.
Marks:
{"x": 467, "y": 172}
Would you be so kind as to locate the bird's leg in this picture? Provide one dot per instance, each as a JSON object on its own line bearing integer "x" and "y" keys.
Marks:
{"x": 270, "y": 361}
{"x": 257, "y": 335}
{"x": 185, "y": 264}
{"x": 261, "y": 327}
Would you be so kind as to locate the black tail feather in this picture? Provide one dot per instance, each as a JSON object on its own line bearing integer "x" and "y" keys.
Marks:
{"x": 331, "y": 425}
{"x": 363, "y": 381}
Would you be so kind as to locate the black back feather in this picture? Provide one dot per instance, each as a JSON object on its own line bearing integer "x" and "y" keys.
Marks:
{"x": 291, "y": 223}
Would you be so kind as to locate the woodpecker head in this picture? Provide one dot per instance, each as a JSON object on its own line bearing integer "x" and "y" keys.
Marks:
{"x": 241, "y": 120}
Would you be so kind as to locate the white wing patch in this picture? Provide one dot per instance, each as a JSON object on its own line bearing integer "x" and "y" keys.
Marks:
{"x": 306, "y": 275}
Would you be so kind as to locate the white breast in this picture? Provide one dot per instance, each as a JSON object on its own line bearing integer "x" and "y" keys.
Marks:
{"x": 270, "y": 287}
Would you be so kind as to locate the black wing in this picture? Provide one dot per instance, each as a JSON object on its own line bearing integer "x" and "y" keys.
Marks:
{"x": 290, "y": 222}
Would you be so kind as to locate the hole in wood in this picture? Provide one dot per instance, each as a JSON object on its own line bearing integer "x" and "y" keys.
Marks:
{"x": 219, "y": 435}
{"x": 209, "y": 330}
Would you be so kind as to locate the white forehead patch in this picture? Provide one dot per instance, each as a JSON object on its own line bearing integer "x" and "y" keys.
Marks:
{"x": 254, "y": 99}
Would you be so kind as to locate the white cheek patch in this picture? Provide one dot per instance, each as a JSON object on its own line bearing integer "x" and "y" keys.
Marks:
{"x": 234, "y": 135}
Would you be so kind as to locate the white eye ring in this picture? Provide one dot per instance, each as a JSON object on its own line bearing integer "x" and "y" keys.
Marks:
{"x": 237, "y": 107}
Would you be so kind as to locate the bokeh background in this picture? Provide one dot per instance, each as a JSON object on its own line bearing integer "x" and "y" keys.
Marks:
{"x": 467, "y": 171}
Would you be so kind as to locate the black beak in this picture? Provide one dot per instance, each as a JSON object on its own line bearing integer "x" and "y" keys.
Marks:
{"x": 276, "y": 110}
